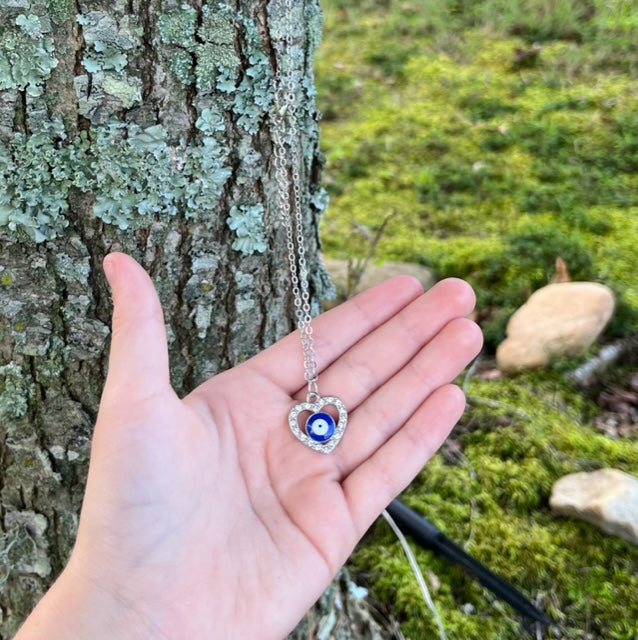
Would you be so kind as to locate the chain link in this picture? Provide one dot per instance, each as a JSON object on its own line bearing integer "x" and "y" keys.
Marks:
{"x": 286, "y": 136}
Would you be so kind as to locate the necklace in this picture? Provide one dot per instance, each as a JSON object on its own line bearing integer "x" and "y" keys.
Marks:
{"x": 321, "y": 432}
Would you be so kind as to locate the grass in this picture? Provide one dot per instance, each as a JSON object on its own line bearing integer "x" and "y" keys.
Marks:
{"x": 494, "y": 164}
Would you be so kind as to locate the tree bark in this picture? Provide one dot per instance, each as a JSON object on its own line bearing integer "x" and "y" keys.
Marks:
{"x": 140, "y": 126}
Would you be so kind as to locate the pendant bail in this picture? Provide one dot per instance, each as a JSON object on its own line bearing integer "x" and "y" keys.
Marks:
{"x": 313, "y": 391}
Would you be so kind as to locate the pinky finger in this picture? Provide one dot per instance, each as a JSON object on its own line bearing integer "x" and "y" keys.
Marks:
{"x": 376, "y": 482}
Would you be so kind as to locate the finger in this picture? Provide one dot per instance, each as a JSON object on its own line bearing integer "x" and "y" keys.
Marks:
{"x": 380, "y": 416}
{"x": 335, "y": 331}
{"x": 138, "y": 360}
{"x": 384, "y": 352}
{"x": 372, "y": 486}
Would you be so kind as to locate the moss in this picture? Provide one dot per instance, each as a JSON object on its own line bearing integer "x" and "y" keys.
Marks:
{"x": 6, "y": 280}
{"x": 498, "y": 504}
{"x": 492, "y": 172}
{"x": 488, "y": 179}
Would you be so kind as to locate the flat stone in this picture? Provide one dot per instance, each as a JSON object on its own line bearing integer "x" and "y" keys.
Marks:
{"x": 560, "y": 319}
{"x": 607, "y": 498}
{"x": 375, "y": 274}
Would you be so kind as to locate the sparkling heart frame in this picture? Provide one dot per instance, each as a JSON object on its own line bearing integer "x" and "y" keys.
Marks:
{"x": 314, "y": 407}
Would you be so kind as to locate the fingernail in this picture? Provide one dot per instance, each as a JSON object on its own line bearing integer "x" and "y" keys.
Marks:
{"x": 109, "y": 268}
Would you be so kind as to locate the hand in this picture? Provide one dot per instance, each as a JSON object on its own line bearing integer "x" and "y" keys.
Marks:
{"x": 205, "y": 517}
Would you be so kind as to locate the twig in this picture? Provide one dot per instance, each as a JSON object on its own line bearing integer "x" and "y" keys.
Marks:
{"x": 470, "y": 373}
{"x": 473, "y": 477}
{"x": 606, "y": 356}
{"x": 354, "y": 278}
{"x": 414, "y": 565}
{"x": 488, "y": 402}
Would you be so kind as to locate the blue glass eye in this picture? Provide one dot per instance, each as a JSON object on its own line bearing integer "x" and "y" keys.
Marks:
{"x": 320, "y": 426}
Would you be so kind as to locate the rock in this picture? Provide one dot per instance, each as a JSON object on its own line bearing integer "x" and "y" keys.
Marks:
{"x": 607, "y": 498}
{"x": 559, "y": 319}
{"x": 375, "y": 274}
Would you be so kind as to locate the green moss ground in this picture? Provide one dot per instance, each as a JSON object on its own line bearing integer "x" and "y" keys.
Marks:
{"x": 495, "y": 503}
{"x": 491, "y": 169}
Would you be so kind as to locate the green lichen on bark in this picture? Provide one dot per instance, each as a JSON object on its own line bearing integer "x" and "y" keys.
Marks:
{"x": 26, "y": 53}
{"x": 60, "y": 11}
{"x": 133, "y": 174}
{"x": 210, "y": 120}
{"x": 206, "y": 55}
{"x": 169, "y": 162}
{"x": 216, "y": 51}
{"x": 36, "y": 175}
{"x": 108, "y": 43}
{"x": 247, "y": 221}
{"x": 14, "y": 391}
{"x": 105, "y": 39}
{"x": 127, "y": 90}
{"x": 178, "y": 26}
{"x": 205, "y": 49}
{"x": 140, "y": 173}
{"x": 181, "y": 64}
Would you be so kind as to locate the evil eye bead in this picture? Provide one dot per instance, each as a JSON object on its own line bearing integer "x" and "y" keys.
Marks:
{"x": 320, "y": 426}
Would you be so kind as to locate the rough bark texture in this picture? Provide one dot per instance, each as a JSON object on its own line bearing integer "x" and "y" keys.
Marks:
{"x": 138, "y": 126}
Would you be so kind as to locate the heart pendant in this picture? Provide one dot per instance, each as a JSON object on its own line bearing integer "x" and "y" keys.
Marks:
{"x": 322, "y": 434}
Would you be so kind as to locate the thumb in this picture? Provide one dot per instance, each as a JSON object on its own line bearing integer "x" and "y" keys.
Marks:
{"x": 138, "y": 361}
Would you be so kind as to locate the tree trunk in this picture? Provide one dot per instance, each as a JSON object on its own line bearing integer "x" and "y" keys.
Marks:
{"x": 141, "y": 126}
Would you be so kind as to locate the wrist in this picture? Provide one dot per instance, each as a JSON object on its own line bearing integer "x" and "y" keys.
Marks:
{"x": 75, "y": 608}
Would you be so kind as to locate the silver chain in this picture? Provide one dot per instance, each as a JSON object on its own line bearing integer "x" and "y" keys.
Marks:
{"x": 286, "y": 135}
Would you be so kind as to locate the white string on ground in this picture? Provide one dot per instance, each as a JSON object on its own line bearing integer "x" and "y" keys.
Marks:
{"x": 414, "y": 565}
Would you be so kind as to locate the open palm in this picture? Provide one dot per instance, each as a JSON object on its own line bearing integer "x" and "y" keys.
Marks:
{"x": 205, "y": 517}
